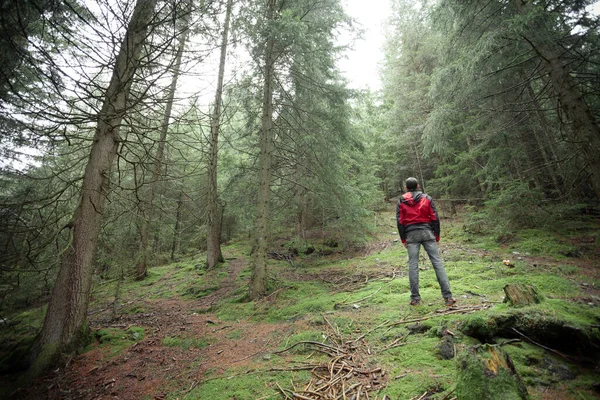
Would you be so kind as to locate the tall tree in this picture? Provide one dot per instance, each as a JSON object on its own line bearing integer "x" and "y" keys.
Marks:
{"x": 307, "y": 161}
{"x": 65, "y": 322}
{"x": 258, "y": 280}
{"x": 213, "y": 246}
{"x": 148, "y": 215}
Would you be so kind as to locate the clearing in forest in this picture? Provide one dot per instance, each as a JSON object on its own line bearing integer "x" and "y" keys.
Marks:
{"x": 337, "y": 323}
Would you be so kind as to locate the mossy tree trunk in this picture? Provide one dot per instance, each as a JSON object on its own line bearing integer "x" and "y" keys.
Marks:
{"x": 65, "y": 324}
{"x": 487, "y": 373}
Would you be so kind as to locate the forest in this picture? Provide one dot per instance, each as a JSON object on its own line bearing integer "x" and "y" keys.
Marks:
{"x": 195, "y": 203}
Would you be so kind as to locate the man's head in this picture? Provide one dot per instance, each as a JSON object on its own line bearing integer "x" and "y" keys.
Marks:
{"x": 412, "y": 184}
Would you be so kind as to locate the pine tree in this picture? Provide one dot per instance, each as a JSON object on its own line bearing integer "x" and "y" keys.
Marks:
{"x": 65, "y": 323}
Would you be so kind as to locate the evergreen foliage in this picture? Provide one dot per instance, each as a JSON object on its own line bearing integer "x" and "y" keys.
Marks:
{"x": 473, "y": 97}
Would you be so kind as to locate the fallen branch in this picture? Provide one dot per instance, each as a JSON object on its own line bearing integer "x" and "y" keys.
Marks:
{"x": 283, "y": 391}
{"x": 438, "y": 313}
{"x": 511, "y": 341}
{"x": 394, "y": 344}
{"x": 372, "y": 294}
{"x": 335, "y": 331}
{"x": 323, "y": 345}
{"x": 365, "y": 334}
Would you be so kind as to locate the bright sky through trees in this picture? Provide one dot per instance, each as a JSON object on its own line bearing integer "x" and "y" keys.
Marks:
{"x": 362, "y": 63}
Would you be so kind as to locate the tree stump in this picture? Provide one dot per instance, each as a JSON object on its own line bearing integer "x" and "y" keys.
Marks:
{"x": 520, "y": 294}
{"x": 487, "y": 373}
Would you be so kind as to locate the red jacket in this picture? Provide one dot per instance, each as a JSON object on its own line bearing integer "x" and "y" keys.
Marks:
{"x": 415, "y": 210}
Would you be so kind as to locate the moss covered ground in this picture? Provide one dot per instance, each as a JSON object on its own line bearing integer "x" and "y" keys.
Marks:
{"x": 192, "y": 319}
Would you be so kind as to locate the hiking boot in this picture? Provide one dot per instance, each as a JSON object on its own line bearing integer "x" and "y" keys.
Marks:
{"x": 449, "y": 302}
{"x": 415, "y": 302}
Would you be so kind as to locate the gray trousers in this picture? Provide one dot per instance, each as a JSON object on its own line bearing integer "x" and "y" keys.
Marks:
{"x": 414, "y": 240}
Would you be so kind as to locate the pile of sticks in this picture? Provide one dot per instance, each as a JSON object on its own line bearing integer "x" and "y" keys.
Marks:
{"x": 343, "y": 377}
{"x": 338, "y": 380}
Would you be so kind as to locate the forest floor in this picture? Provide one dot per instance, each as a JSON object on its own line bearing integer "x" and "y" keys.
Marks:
{"x": 187, "y": 333}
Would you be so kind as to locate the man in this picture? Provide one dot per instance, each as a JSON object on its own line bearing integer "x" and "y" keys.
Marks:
{"x": 418, "y": 224}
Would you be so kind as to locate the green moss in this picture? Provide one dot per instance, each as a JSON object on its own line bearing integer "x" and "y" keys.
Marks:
{"x": 109, "y": 335}
{"x": 416, "y": 368}
{"x": 47, "y": 357}
{"x": 185, "y": 342}
{"x": 117, "y": 339}
{"x": 20, "y": 327}
{"x": 564, "y": 326}
{"x": 168, "y": 281}
{"x": 136, "y": 309}
{"x": 243, "y": 385}
{"x": 235, "y": 309}
{"x": 234, "y": 335}
{"x": 135, "y": 333}
{"x": 198, "y": 291}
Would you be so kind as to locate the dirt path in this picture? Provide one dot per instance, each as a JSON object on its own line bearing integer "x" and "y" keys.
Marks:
{"x": 150, "y": 368}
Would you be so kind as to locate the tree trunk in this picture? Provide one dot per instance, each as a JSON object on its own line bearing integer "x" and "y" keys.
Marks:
{"x": 549, "y": 160}
{"x": 476, "y": 163}
{"x": 213, "y": 245}
{"x": 520, "y": 294}
{"x": 418, "y": 158}
{"x": 142, "y": 264}
{"x": 176, "y": 230}
{"x": 65, "y": 322}
{"x": 531, "y": 160}
{"x": 258, "y": 281}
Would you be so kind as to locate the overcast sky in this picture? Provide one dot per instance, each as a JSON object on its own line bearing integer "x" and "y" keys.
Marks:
{"x": 362, "y": 63}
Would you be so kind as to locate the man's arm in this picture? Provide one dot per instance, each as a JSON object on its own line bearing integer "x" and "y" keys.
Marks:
{"x": 435, "y": 221}
{"x": 401, "y": 228}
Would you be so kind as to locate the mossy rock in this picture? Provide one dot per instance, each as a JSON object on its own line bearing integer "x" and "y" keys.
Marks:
{"x": 486, "y": 372}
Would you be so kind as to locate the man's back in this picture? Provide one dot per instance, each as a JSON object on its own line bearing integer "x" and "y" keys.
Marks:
{"x": 416, "y": 208}
{"x": 416, "y": 211}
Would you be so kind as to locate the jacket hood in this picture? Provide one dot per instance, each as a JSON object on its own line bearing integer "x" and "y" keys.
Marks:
{"x": 411, "y": 198}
